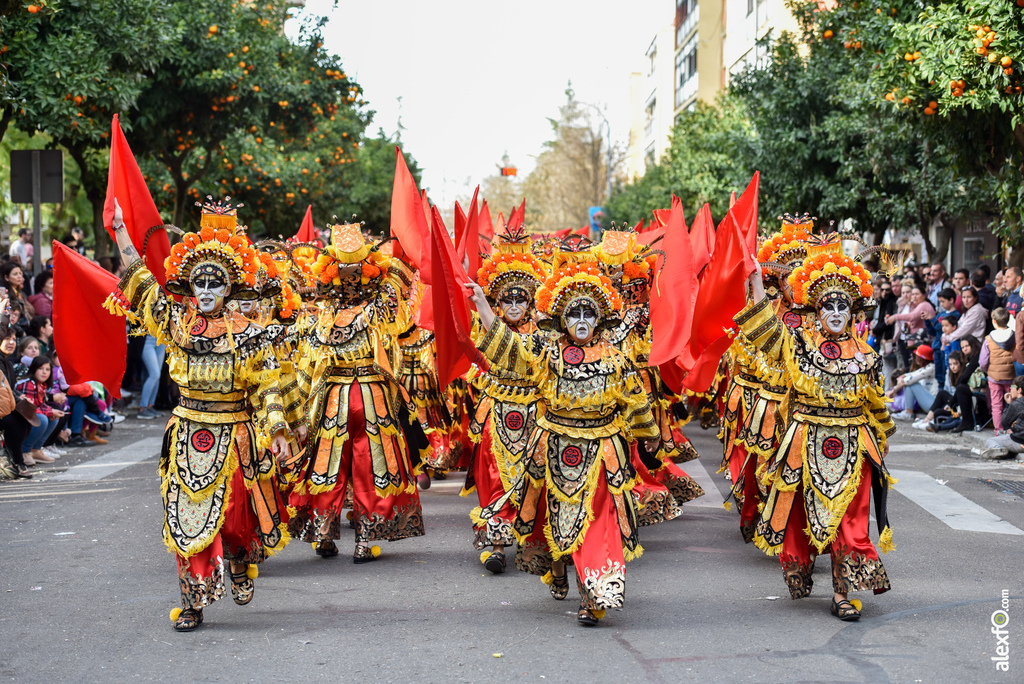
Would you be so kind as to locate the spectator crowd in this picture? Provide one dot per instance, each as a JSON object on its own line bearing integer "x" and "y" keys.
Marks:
{"x": 953, "y": 351}
{"x": 41, "y": 414}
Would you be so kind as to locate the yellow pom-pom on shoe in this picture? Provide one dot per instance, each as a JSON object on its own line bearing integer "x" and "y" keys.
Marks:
{"x": 856, "y": 603}
{"x": 484, "y": 555}
{"x": 727, "y": 505}
{"x": 350, "y": 515}
{"x": 548, "y": 578}
{"x": 598, "y": 613}
{"x": 375, "y": 551}
{"x": 175, "y": 614}
{"x": 253, "y": 571}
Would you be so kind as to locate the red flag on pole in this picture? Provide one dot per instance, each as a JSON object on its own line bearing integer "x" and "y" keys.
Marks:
{"x": 455, "y": 348}
{"x": 702, "y": 239}
{"x": 469, "y": 249}
{"x": 408, "y": 222}
{"x": 486, "y": 226}
{"x": 307, "y": 232}
{"x": 722, "y": 293}
{"x": 670, "y": 306}
{"x": 93, "y": 342}
{"x": 461, "y": 221}
{"x": 125, "y": 182}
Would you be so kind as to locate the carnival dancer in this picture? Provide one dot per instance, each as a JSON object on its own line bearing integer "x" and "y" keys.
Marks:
{"x": 506, "y": 411}
{"x": 831, "y": 457}
{"x": 216, "y": 467}
{"x": 575, "y": 489}
{"x": 429, "y": 423}
{"x": 761, "y": 383}
{"x": 350, "y": 372}
{"x": 662, "y": 486}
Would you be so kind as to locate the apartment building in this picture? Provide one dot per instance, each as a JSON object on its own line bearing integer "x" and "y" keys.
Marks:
{"x": 692, "y": 59}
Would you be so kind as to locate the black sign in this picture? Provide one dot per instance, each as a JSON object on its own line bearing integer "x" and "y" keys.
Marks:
{"x": 51, "y": 176}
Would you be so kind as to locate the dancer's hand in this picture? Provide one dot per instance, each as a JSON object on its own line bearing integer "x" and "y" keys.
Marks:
{"x": 477, "y": 296}
{"x": 653, "y": 445}
{"x": 300, "y": 434}
{"x": 279, "y": 447}
{"x": 756, "y": 282}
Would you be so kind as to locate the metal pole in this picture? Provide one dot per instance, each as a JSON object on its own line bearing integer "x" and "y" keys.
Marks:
{"x": 37, "y": 225}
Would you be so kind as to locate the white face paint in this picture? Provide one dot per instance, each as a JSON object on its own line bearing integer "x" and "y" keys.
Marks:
{"x": 246, "y": 306}
{"x": 581, "y": 323}
{"x": 834, "y": 315}
{"x": 209, "y": 291}
{"x": 514, "y": 306}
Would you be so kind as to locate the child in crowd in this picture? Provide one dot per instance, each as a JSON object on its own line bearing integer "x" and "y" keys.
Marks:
{"x": 917, "y": 386}
{"x": 947, "y": 310}
{"x": 997, "y": 362}
{"x": 1012, "y": 424}
{"x": 949, "y": 325}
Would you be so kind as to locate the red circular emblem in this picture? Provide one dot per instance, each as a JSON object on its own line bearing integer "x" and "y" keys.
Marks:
{"x": 514, "y": 420}
{"x": 832, "y": 447}
{"x": 572, "y": 355}
{"x": 199, "y": 327}
{"x": 792, "y": 319}
{"x": 572, "y": 456}
{"x": 202, "y": 441}
{"x": 830, "y": 350}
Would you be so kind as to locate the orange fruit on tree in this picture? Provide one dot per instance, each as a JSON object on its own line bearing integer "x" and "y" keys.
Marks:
{"x": 933, "y": 104}
{"x": 213, "y": 29}
{"x": 1006, "y": 61}
{"x": 928, "y": 111}
{"x": 827, "y": 34}
{"x": 32, "y": 9}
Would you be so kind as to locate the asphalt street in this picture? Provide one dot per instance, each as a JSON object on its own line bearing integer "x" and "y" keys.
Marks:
{"x": 86, "y": 586}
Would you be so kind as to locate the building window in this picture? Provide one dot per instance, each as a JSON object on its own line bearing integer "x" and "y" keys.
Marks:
{"x": 649, "y": 115}
{"x": 750, "y": 7}
{"x": 686, "y": 72}
{"x": 687, "y": 15}
{"x": 649, "y": 157}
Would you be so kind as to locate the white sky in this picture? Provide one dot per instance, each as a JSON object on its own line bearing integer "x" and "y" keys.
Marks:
{"x": 478, "y": 78}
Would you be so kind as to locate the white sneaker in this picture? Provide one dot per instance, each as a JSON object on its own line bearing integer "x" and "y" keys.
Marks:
{"x": 51, "y": 452}
{"x": 57, "y": 450}
{"x": 903, "y": 415}
{"x": 920, "y": 425}
{"x": 994, "y": 454}
{"x": 118, "y": 418}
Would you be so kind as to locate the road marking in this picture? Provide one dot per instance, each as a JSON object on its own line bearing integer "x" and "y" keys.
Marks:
{"x": 712, "y": 497}
{"x": 949, "y": 506}
{"x": 987, "y": 465}
{"x": 26, "y": 495}
{"x": 108, "y": 464}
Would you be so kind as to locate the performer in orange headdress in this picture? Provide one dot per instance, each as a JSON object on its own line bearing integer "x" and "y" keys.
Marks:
{"x": 662, "y": 486}
{"x": 506, "y": 411}
{"x": 830, "y": 458}
{"x": 217, "y": 471}
{"x": 575, "y": 488}
{"x": 760, "y": 385}
{"x": 350, "y": 370}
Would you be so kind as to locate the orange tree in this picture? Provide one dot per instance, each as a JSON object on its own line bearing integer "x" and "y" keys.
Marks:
{"x": 953, "y": 70}
{"x": 230, "y": 85}
{"x": 66, "y": 67}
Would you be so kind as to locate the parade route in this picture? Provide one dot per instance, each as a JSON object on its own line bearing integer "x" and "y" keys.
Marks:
{"x": 87, "y": 587}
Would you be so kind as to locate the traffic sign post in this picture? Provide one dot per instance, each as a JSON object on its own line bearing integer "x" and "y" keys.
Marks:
{"x": 37, "y": 176}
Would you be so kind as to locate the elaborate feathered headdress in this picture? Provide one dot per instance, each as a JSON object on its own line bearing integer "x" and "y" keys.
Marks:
{"x": 219, "y": 248}
{"x": 348, "y": 246}
{"x": 511, "y": 265}
{"x": 786, "y": 249}
{"x": 828, "y": 272}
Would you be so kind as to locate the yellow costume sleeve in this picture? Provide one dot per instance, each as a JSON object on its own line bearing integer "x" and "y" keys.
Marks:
{"x": 149, "y": 310}
{"x": 763, "y": 329}
{"x": 262, "y": 376}
{"x": 636, "y": 406}
{"x": 515, "y": 352}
